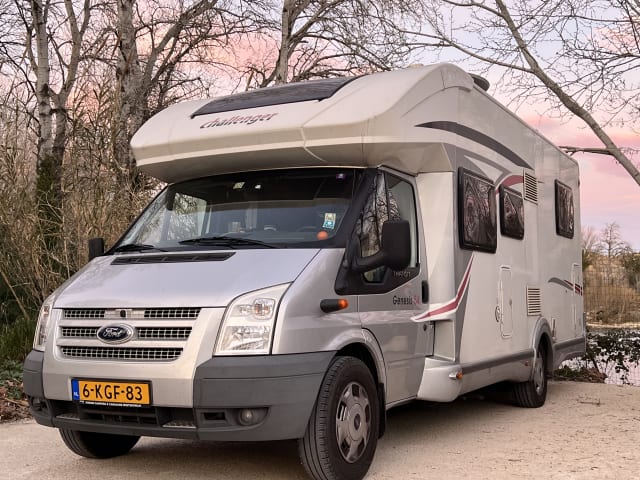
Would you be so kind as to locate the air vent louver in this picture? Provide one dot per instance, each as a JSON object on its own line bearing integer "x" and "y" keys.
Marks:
{"x": 534, "y": 301}
{"x": 178, "y": 258}
{"x": 530, "y": 188}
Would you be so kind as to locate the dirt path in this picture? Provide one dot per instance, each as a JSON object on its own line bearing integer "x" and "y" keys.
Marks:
{"x": 585, "y": 431}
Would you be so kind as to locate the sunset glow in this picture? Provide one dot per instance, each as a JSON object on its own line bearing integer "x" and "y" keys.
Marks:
{"x": 608, "y": 193}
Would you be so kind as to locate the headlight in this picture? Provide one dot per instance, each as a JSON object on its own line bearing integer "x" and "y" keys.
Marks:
{"x": 247, "y": 326}
{"x": 42, "y": 327}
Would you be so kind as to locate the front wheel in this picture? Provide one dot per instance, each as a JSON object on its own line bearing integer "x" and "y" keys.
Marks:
{"x": 342, "y": 433}
{"x": 97, "y": 445}
{"x": 533, "y": 393}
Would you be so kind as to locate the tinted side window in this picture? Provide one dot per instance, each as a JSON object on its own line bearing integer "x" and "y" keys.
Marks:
{"x": 476, "y": 212}
{"x": 401, "y": 193}
{"x": 511, "y": 213}
{"x": 564, "y": 210}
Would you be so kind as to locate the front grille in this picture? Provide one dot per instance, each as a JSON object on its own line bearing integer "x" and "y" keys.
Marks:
{"x": 84, "y": 313}
{"x": 119, "y": 353}
{"x": 144, "y": 333}
{"x": 159, "y": 333}
{"x": 186, "y": 312}
{"x": 164, "y": 333}
{"x": 79, "y": 332}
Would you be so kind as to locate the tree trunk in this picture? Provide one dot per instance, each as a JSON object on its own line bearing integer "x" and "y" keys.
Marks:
{"x": 131, "y": 101}
{"x": 282, "y": 65}
{"x": 49, "y": 159}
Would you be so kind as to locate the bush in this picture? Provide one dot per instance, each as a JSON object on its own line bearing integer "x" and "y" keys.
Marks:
{"x": 11, "y": 379}
{"x": 16, "y": 339}
{"x": 614, "y": 350}
{"x": 611, "y": 353}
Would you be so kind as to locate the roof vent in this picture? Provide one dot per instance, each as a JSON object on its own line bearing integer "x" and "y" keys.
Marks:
{"x": 278, "y": 95}
{"x": 482, "y": 82}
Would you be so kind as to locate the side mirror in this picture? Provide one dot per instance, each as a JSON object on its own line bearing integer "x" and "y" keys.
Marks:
{"x": 395, "y": 251}
{"x": 96, "y": 247}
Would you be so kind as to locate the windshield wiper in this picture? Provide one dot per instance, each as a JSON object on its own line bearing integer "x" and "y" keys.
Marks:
{"x": 223, "y": 241}
{"x": 136, "y": 247}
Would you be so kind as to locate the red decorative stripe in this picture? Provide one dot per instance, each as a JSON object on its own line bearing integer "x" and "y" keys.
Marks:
{"x": 512, "y": 180}
{"x": 452, "y": 305}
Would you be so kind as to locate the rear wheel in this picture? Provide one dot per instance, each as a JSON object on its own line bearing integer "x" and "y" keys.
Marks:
{"x": 342, "y": 433}
{"x": 97, "y": 445}
{"x": 533, "y": 393}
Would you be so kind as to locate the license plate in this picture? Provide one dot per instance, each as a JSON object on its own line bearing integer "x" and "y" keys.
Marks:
{"x": 106, "y": 392}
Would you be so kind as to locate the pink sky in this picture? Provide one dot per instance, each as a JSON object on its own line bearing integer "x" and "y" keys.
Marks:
{"x": 608, "y": 193}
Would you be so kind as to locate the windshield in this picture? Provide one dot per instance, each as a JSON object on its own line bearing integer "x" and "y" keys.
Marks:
{"x": 282, "y": 208}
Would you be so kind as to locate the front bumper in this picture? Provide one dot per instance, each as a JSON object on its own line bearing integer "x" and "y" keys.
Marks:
{"x": 279, "y": 391}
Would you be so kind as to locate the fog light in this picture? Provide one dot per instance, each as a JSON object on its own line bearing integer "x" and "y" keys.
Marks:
{"x": 247, "y": 416}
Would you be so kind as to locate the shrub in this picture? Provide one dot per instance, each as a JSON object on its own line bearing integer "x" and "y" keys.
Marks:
{"x": 16, "y": 339}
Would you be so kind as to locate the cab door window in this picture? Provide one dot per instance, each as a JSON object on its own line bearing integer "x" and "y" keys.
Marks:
{"x": 391, "y": 198}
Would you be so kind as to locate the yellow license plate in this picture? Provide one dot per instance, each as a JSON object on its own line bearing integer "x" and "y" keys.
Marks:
{"x": 102, "y": 392}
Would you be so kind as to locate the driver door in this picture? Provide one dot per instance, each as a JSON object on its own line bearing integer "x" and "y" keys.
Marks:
{"x": 388, "y": 299}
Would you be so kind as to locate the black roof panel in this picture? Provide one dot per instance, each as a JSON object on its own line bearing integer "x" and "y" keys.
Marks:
{"x": 264, "y": 97}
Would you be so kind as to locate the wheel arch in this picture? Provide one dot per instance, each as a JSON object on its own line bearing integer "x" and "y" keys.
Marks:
{"x": 543, "y": 336}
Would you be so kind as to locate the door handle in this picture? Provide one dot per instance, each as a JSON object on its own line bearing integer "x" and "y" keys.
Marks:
{"x": 425, "y": 291}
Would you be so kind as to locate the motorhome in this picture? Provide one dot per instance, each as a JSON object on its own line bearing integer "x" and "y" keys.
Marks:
{"x": 323, "y": 251}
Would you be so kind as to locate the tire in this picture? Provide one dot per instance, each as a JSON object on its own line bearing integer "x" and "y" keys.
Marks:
{"x": 342, "y": 433}
{"x": 97, "y": 445}
{"x": 533, "y": 393}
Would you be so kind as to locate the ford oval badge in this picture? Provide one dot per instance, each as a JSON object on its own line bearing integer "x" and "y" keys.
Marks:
{"x": 118, "y": 333}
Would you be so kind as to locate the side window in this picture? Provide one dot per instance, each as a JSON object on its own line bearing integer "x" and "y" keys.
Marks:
{"x": 511, "y": 213}
{"x": 476, "y": 212}
{"x": 391, "y": 199}
{"x": 564, "y": 210}
{"x": 402, "y": 193}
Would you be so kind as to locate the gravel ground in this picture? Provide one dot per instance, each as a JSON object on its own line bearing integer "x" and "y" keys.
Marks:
{"x": 585, "y": 431}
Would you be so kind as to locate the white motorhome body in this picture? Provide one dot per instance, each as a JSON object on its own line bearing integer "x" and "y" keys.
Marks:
{"x": 284, "y": 193}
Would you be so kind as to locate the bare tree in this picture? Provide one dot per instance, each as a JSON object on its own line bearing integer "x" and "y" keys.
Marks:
{"x": 20, "y": 239}
{"x": 591, "y": 246}
{"x": 585, "y": 53}
{"x": 54, "y": 46}
{"x": 613, "y": 247}
{"x": 610, "y": 242}
{"x": 154, "y": 44}
{"x": 318, "y": 38}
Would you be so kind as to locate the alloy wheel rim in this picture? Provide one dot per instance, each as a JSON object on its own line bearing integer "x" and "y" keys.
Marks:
{"x": 353, "y": 422}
